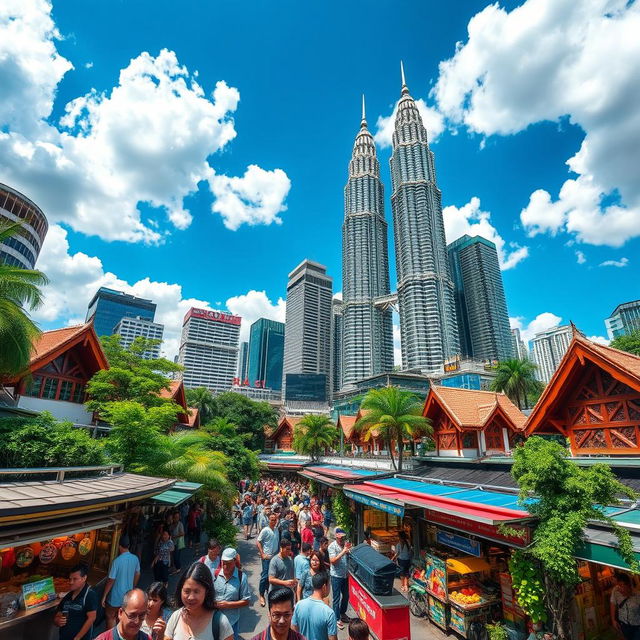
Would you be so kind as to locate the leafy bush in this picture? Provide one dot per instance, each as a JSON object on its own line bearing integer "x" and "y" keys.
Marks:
{"x": 342, "y": 513}
{"x": 218, "y": 525}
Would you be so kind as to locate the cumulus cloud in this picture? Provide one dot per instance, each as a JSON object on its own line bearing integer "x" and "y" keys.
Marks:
{"x": 545, "y": 60}
{"x": 253, "y": 305}
{"x": 255, "y": 198}
{"x": 431, "y": 118}
{"x": 75, "y": 277}
{"x": 600, "y": 340}
{"x": 471, "y": 220}
{"x": 541, "y": 322}
{"x": 147, "y": 141}
{"x": 580, "y": 257}
{"x": 623, "y": 262}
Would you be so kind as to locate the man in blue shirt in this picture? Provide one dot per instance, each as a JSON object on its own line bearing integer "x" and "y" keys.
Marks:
{"x": 232, "y": 589}
{"x": 338, "y": 551}
{"x": 123, "y": 576}
{"x": 312, "y": 617}
{"x": 301, "y": 562}
{"x": 268, "y": 544}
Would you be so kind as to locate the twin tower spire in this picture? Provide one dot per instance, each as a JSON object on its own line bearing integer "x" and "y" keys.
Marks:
{"x": 425, "y": 289}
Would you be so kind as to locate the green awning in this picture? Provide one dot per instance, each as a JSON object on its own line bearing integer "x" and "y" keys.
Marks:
{"x": 600, "y": 546}
{"x": 187, "y": 487}
{"x": 171, "y": 497}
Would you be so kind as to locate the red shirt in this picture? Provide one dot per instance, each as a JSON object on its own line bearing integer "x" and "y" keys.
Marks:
{"x": 307, "y": 535}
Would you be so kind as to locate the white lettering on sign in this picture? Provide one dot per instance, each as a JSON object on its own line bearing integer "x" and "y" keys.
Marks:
{"x": 217, "y": 316}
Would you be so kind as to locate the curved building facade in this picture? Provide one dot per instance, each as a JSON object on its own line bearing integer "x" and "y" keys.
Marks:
{"x": 368, "y": 332}
{"x": 426, "y": 301}
{"x": 23, "y": 249}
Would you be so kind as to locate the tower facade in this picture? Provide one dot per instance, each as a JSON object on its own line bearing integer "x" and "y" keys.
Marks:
{"x": 266, "y": 348}
{"x": 426, "y": 303}
{"x": 548, "y": 349}
{"x": 307, "y": 338}
{"x": 368, "y": 332}
{"x": 337, "y": 342}
{"x": 481, "y": 306}
{"x": 109, "y": 306}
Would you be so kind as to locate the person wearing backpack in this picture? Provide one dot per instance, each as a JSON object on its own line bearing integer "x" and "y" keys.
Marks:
{"x": 197, "y": 617}
{"x": 625, "y": 608}
{"x": 77, "y": 611}
{"x": 232, "y": 588}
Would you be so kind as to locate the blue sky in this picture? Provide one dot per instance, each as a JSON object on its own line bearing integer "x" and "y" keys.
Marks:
{"x": 111, "y": 125}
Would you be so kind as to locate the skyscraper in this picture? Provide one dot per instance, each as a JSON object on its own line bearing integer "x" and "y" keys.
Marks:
{"x": 108, "y": 307}
{"x": 548, "y": 348}
{"x": 428, "y": 325}
{"x": 624, "y": 319}
{"x": 517, "y": 344}
{"x": 209, "y": 349}
{"x": 307, "y": 340}
{"x": 368, "y": 331}
{"x": 22, "y": 249}
{"x": 266, "y": 350}
{"x": 481, "y": 307}
{"x": 337, "y": 341}
{"x": 243, "y": 362}
{"x": 131, "y": 328}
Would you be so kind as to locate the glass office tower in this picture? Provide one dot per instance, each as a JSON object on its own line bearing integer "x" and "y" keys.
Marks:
{"x": 266, "y": 350}
{"x": 108, "y": 307}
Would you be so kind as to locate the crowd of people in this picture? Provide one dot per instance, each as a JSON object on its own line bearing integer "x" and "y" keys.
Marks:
{"x": 301, "y": 573}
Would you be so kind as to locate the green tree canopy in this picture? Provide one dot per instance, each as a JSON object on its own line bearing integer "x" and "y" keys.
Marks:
{"x": 19, "y": 294}
{"x": 394, "y": 414}
{"x": 130, "y": 377}
{"x": 516, "y": 378}
{"x": 249, "y": 416}
{"x": 564, "y": 497}
{"x": 43, "y": 441}
{"x": 313, "y": 434}
{"x": 202, "y": 400}
{"x": 629, "y": 342}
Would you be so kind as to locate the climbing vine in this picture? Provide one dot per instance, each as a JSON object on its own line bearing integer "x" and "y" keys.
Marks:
{"x": 342, "y": 512}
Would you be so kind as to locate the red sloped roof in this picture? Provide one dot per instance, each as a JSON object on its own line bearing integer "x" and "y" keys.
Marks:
{"x": 347, "y": 423}
{"x": 472, "y": 409}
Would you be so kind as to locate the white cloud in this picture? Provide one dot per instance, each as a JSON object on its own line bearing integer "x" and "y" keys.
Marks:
{"x": 623, "y": 262}
{"x": 75, "y": 277}
{"x": 580, "y": 257}
{"x": 253, "y": 305}
{"x": 431, "y": 118}
{"x": 397, "y": 348}
{"x": 88, "y": 65}
{"x": 541, "y": 322}
{"x": 471, "y": 220}
{"x": 545, "y": 60}
{"x": 600, "y": 340}
{"x": 147, "y": 140}
{"x": 255, "y": 198}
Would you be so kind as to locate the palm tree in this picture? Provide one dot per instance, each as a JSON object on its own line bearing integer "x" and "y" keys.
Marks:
{"x": 185, "y": 455}
{"x": 202, "y": 400}
{"x": 517, "y": 379}
{"x": 221, "y": 425}
{"x": 313, "y": 434}
{"x": 395, "y": 415}
{"x": 19, "y": 290}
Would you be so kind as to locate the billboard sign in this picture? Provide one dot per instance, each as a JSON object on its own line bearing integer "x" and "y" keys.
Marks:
{"x": 216, "y": 316}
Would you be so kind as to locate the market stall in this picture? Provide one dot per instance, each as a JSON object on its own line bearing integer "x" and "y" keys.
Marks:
{"x": 49, "y": 526}
{"x": 372, "y": 596}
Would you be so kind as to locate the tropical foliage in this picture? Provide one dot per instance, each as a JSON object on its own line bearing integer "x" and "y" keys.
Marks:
{"x": 629, "y": 342}
{"x": 395, "y": 416}
{"x": 43, "y": 441}
{"x": 249, "y": 416}
{"x": 130, "y": 377}
{"x": 202, "y": 400}
{"x": 19, "y": 294}
{"x": 342, "y": 512}
{"x": 516, "y": 378}
{"x": 313, "y": 434}
{"x": 567, "y": 497}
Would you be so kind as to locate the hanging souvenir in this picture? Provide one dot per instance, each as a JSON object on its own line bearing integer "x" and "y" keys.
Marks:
{"x": 24, "y": 557}
{"x": 48, "y": 553}
{"x": 68, "y": 550}
{"x": 85, "y": 546}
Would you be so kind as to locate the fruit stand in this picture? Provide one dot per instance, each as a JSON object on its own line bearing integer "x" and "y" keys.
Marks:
{"x": 458, "y": 592}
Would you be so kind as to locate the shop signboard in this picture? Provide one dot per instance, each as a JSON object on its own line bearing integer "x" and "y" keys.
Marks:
{"x": 461, "y": 543}
{"x": 370, "y": 501}
{"x": 38, "y": 593}
{"x": 480, "y": 528}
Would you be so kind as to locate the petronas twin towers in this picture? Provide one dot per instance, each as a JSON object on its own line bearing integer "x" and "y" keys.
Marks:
{"x": 426, "y": 303}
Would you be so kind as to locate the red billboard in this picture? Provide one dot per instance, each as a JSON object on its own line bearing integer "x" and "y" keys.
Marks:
{"x": 215, "y": 316}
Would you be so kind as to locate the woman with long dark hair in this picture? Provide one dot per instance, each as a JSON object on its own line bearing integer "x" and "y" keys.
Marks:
{"x": 197, "y": 616}
{"x": 316, "y": 565}
{"x": 157, "y": 612}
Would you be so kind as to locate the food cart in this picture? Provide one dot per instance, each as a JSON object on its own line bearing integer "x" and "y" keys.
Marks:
{"x": 458, "y": 591}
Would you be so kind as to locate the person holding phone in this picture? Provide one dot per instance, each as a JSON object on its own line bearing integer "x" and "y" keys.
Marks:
{"x": 77, "y": 611}
{"x": 338, "y": 551}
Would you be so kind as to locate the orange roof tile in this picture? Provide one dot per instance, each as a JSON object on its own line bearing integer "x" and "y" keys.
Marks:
{"x": 194, "y": 417}
{"x": 472, "y": 409}
{"x": 627, "y": 361}
{"x": 49, "y": 341}
{"x": 347, "y": 423}
{"x": 172, "y": 391}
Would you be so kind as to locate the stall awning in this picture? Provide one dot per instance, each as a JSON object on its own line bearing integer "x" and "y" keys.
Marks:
{"x": 600, "y": 546}
{"x": 171, "y": 497}
{"x": 389, "y": 506}
{"x": 187, "y": 487}
{"x": 488, "y": 507}
{"x": 36, "y": 532}
{"x": 467, "y": 565}
{"x": 310, "y": 475}
{"x": 336, "y": 475}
